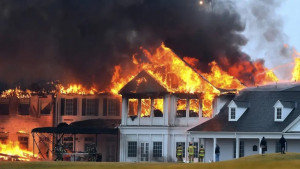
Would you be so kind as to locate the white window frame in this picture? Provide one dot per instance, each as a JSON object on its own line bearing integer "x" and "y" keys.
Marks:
{"x": 231, "y": 113}
{"x": 277, "y": 113}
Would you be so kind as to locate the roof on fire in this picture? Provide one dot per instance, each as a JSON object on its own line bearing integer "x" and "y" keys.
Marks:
{"x": 92, "y": 126}
{"x": 257, "y": 118}
{"x": 141, "y": 84}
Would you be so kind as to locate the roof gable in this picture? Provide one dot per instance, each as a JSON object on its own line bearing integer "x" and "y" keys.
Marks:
{"x": 143, "y": 83}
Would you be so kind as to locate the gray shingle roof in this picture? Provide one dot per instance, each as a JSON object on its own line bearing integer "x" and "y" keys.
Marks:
{"x": 242, "y": 103}
{"x": 288, "y": 104}
{"x": 258, "y": 118}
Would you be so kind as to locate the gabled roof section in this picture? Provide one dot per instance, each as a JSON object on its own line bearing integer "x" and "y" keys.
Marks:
{"x": 257, "y": 118}
{"x": 143, "y": 83}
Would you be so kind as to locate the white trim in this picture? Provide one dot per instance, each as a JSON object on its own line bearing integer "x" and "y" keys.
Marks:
{"x": 291, "y": 124}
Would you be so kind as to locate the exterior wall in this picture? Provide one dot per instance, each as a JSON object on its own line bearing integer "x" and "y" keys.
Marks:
{"x": 168, "y": 129}
{"x": 293, "y": 145}
{"x": 79, "y": 117}
{"x": 15, "y": 125}
{"x": 167, "y": 135}
{"x": 107, "y": 145}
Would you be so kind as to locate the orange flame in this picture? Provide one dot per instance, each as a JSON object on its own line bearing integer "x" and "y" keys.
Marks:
{"x": 12, "y": 149}
{"x": 296, "y": 70}
{"x": 181, "y": 76}
{"x": 16, "y": 92}
{"x": 76, "y": 89}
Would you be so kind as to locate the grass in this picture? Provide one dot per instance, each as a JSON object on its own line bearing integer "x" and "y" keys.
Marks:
{"x": 269, "y": 161}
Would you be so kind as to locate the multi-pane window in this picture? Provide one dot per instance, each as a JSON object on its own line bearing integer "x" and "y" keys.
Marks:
{"x": 232, "y": 113}
{"x": 88, "y": 143}
{"x": 183, "y": 147}
{"x": 158, "y": 107}
{"x": 45, "y": 107}
{"x": 68, "y": 107}
{"x": 90, "y": 107}
{"x": 157, "y": 149}
{"x": 241, "y": 148}
{"x": 23, "y": 140}
{"x": 181, "y": 108}
{"x": 132, "y": 149}
{"x": 23, "y": 107}
{"x": 279, "y": 113}
{"x": 145, "y": 107}
{"x": 132, "y": 107}
{"x": 4, "y": 106}
{"x": 194, "y": 108}
{"x": 111, "y": 107}
{"x": 68, "y": 143}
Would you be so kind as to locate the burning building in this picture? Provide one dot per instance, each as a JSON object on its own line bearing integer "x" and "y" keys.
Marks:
{"x": 20, "y": 112}
{"x": 84, "y": 120}
{"x": 164, "y": 100}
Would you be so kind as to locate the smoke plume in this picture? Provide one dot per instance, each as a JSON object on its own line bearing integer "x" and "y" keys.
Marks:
{"x": 81, "y": 41}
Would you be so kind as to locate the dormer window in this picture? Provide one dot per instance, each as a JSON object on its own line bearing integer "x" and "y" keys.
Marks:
{"x": 236, "y": 109}
{"x": 232, "y": 113}
{"x": 278, "y": 113}
{"x": 282, "y": 109}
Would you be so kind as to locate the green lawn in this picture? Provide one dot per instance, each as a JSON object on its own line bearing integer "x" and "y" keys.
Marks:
{"x": 270, "y": 161}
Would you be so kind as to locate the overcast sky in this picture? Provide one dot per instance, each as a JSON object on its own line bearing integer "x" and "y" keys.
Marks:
{"x": 270, "y": 24}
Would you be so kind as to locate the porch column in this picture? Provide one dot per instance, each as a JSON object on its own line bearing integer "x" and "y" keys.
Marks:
{"x": 259, "y": 148}
{"x": 124, "y": 110}
{"x": 214, "y": 148}
{"x": 237, "y": 148}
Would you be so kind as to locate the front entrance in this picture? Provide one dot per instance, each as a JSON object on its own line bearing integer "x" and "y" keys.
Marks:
{"x": 145, "y": 151}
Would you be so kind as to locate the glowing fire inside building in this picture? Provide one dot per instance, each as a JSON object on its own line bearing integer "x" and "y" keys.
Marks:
{"x": 175, "y": 74}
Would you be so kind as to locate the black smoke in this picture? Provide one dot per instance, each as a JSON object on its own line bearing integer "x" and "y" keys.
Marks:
{"x": 81, "y": 40}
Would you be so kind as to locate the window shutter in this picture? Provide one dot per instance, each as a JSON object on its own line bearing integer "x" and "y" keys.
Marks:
{"x": 75, "y": 106}
{"x": 105, "y": 107}
{"x": 96, "y": 106}
{"x": 62, "y": 106}
{"x": 83, "y": 107}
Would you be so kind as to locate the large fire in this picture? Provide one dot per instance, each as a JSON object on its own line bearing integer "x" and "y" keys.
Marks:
{"x": 181, "y": 76}
{"x": 16, "y": 92}
{"x": 76, "y": 89}
{"x": 13, "y": 151}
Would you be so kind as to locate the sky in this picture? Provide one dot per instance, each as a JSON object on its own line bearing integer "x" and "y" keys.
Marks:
{"x": 284, "y": 17}
{"x": 290, "y": 13}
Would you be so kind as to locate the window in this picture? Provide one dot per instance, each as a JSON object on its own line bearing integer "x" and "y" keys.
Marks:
{"x": 45, "y": 107}
{"x": 90, "y": 107}
{"x": 183, "y": 147}
{"x": 194, "y": 108}
{"x": 68, "y": 107}
{"x": 23, "y": 140}
{"x": 23, "y": 107}
{"x": 111, "y": 107}
{"x": 157, "y": 149}
{"x": 181, "y": 108}
{"x": 196, "y": 149}
{"x": 132, "y": 149}
{"x": 145, "y": 107}
{"x": 68, "y": 144}
{"x": 4, "y": 107}
{"x": 241, "y": 147}
{"x": 133, "y": 107}
{"x": 232, "y": 113}
{"x": 3, "y": 139}
{"x": 158, "y": 107}
{"x": 279, "y": 113}
{"x": 89, "y": 142}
